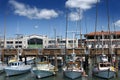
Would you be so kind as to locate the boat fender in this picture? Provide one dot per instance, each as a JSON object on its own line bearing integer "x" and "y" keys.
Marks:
{"x": 112, "y": 68}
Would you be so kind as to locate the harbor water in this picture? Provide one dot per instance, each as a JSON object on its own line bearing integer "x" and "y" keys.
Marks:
{"x": 59, "y": 76}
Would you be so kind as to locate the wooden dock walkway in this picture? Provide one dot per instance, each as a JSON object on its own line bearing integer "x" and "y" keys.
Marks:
{"x": 58, "y": 51}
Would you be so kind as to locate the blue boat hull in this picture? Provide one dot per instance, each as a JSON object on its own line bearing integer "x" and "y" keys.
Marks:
{"x": 15, "y": 72}
{"x": 72, "y": 74}
{"x": 106, "y": 74}
{"x": 43, "y": 73}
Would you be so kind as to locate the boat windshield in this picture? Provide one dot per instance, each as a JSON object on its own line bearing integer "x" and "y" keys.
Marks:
{"x": 105, "y": 65}
{"x": 14, "y": 64}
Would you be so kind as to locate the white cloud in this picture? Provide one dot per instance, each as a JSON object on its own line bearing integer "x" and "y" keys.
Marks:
{"x": 32, "y": 13}
{"x": 36, "y": 27}
{"x": 81, "y": 5}
{"x": 117, "y": 23}
{"x": 75, "y": 16}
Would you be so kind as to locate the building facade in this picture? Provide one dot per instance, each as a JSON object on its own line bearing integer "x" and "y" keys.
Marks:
{"x": 31, "y": 41}
{"x": 103, "y": 39}
{"x": 37, "y": 41}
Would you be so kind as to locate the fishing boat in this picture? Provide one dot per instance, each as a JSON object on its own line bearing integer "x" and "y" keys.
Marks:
{"x": 43, "y": 69}
{"x": 16, "y": 68}
{"x": 1, "y": 67}
{"x": 104, "y": 70}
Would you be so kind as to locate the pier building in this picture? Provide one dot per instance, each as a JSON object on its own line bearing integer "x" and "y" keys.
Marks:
{"x": 103, "y": 39}
{"x": 40, "y": 44}
{"x": 31, "y": 41}
{"x": 36, "y": 42}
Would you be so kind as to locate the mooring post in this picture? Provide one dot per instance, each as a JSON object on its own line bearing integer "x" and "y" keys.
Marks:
{"x": 25, "y": 60}
{"x": 56, "y": 64}
{"x": 116, "y": 63}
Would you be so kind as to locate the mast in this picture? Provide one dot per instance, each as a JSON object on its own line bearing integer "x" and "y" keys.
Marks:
{"x": 55, "y": 37}
{"x": 66, "y": 36}
{"x": 102, "y": 40}
{"x": 4, "y": 32}
{"x": 96, "y": 20}
{"x": 4, "y": 36}
{"x": 108, "y": 19}
{"x": 80, "y": 29}
{"x": 73, "y": 42}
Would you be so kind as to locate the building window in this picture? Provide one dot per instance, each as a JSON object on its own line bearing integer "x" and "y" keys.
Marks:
{"x": 35, "y": 41}
{"x": 52, "y": 41}
{"x": 62, "y": 41}
{"x": 9, "y": 42}
{"x": 71, "y": 41}
{"x": 18, "y": 42}
{"x": 9, "y": 46}
{"x": 18, "y": 46}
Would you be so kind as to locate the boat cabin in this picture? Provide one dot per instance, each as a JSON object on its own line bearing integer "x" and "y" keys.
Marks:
{"x": 15, "y": 64}
{"x": 104, "y": 65}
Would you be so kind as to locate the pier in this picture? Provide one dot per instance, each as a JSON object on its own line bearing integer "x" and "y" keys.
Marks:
{"x": 58, "y": 51}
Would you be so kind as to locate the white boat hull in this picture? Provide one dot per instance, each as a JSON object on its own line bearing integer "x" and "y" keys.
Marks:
{"x": 72, "y": 74}
{"x": 11, "y": 71}
{"x": 43, "y": 73}
{"x": 1, "y": 71}
{"x": 107, "y": 74}
{"x": 2, "y": 66}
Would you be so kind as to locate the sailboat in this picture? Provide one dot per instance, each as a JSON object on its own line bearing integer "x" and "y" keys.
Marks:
{"x": 104, "y": 68}
{"x": 73, "y": 68}
{"x": 16, "y": 67}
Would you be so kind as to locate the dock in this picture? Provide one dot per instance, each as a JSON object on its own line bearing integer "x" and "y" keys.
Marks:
{"x": 58, "y": 51}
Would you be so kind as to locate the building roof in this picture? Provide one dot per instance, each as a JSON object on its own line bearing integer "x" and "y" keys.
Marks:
{"x": 103, "y": 33}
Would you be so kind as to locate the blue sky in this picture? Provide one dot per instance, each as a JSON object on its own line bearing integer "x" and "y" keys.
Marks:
{"x": 42, "y": 17}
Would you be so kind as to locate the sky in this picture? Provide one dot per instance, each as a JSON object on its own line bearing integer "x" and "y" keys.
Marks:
{"x": 45, "y": 17}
